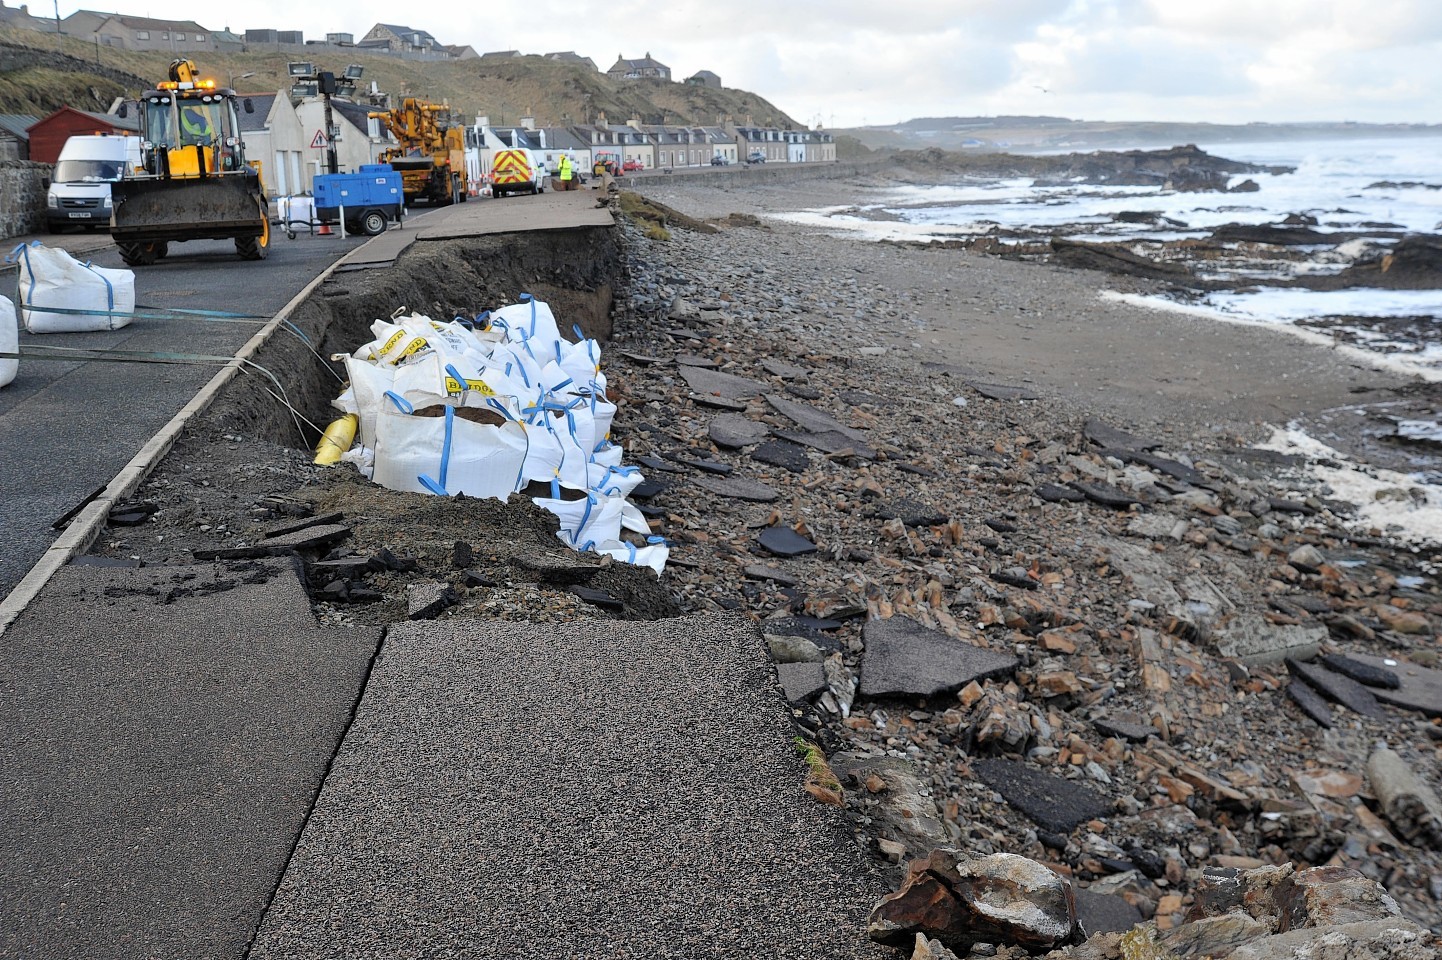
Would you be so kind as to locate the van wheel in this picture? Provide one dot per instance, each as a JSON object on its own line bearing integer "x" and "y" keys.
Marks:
{"x": 373, "y": 223}
{"x": 139, "y": 254}
{"x": 252, "y": 248}
{"x": 162, "y": 249}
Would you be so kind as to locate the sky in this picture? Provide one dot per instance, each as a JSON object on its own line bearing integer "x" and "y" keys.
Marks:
{"x": 844, "y": 63}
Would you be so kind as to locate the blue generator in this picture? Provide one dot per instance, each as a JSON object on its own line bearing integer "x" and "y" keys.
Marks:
{"x": 370, "y": 198}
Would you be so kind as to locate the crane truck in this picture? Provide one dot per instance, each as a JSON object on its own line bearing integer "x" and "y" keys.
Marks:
{"x": 430, "y": 153}
{"x": 194, "y": 182}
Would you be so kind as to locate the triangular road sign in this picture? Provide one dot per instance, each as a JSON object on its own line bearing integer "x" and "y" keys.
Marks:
{"x": 317, "y": 142}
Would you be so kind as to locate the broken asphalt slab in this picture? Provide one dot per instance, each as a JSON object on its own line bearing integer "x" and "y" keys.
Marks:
{"x": 1419, "y": 688}
{"x": 163, "y": 731}
{"x": 810, "y": 418}
{"x": 716, "y": 383}
{"x": 1053, "y": 803}
{"x": 904, "y": 658}
{"x": 511, "y": 789}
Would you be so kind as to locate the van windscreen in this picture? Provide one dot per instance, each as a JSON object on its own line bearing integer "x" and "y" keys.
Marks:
{"x": 79, "y": 171}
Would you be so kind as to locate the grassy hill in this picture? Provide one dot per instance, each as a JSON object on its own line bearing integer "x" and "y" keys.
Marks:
{"x": 39, "y": 72}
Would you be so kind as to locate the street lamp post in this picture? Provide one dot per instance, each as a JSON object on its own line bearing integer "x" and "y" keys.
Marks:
{"x": 243, "y": 76}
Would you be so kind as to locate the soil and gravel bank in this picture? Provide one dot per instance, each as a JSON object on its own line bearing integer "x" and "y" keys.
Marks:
{"x": 1004, "y": 540}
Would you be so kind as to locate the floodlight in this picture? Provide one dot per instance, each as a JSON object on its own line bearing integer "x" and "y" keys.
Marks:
{"x": 302, "y": 90}
{"x": 300, "y": 69}
{"x": 354, "y": 71}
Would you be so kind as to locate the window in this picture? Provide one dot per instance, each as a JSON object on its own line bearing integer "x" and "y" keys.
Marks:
{"x": 165, "y": 35}
{"x": 142, "y": 34}
{"x": 200, "y": 38}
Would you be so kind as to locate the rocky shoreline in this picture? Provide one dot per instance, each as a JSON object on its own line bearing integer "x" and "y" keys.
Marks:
{"x": 1075, "y": 621}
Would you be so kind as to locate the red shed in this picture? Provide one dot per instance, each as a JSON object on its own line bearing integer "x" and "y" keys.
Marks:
{"x": 47, "y": 136}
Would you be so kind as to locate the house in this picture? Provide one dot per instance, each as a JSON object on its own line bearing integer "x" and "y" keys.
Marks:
{"x": 721, "y": 143}
{"x": 14, "y": 140}
{"x": 643, "y": 69}
{"x": 460, "y": 51}
{"x": 360, "y": 142}
{"x": 767, "y": 141}
{"x": 820, "y": 147}
{"x": 571, "y": 56}
{"x": 704, "y": 78}
{"x": 399, "y": 39}
{"x": 21, "y": 18}
{"x": 227, "y": 42}
{"x": 490, "y": 56}
{"x": 623, "y": 142}
{"x": 273, "y": 134}
{"x": 48, "y": 134}
{"x": 145, "y": 34}
{"x": 555, "y": 141}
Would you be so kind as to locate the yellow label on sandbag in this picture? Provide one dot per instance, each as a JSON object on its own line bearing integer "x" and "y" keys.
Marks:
{"x": 415, "y": 346}
{"x": 454, "y": 386}
{"x": 395, "y": 339}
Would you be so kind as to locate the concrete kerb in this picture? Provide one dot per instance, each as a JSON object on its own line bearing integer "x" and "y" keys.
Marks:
{"x": 83, "y": 530}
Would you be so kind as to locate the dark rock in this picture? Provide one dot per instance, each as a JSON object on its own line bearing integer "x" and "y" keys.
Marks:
{"x": 734, "y": 432}
{"x": 1001, "y": 526}
{"x": 656, "y": 463}
{"x": 1289, "y": 506}
{"x": 785, "y": 542}
{"x": 824, "y": 624}
{"x": 1310, "y": 704}
{"x": 1104, "y": 913}
{"x": 810, "y": 418}
{"x": 348, "y": 567}
{"x": 652, "y": 512}
{"x": 829, "y": 442}
{"x": 1110, "y": 438}
{"x": 1052, "y": 802}
{"x": 913, "y": 469}
{"x": 784, "y": 454}
{"x": 462, "y": 555}
{"x": 998, "y": 899}
{"x": 647, "y": 489}
{"x": 641, "y": 359}
{"x": 801, "y": 681}
{"x": 1117, "y": 258}
{"x": 129, "y": 518}
{"x": 1012, "y": 580}
{"x": 1284, "y": 236}
{"x": 1152, "y": 865}
{"x": 1363, "y": 673}
{"x": 998, "y": 391}
{"x": 384, "y": 559}
{"x": 333, "y": 592}
{"x": 1337, "y": 688}
{"x": 1052, "y": 493}
{"x": 912, "y": 513}
{"x": 360, "y": 594}
{"x": 428, "y": 600}
{"x": 1219, "y": 891}
{"x": 737, "y": 488}
{"x": 715, "y": 383}
{"x": 692, "y": 360}
{"x": 904, "y": 658}
{"x": 1170, "y": 468}
{"x": 803, "y": 391}
{"x": 597, "y": 598}
{"x": 1104, "y": 494}
{"x": 782, "y": 369}
{"x": 715, "y": 467}
{"x": 473, "y": 580}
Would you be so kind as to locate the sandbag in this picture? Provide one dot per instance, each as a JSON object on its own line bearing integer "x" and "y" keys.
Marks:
{"x": 448, "y": 454}
{"x": 50, "y": 277}
{"x": 9, "y": 341}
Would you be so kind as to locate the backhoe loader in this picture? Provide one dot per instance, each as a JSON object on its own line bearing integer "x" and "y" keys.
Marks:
{"x": 195, "y": 183}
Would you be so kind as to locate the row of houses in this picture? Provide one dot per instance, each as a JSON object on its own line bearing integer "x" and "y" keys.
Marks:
{"x": 286, "y": 136}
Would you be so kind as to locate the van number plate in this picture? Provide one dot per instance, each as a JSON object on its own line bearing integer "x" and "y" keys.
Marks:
{"x": 80, "y": 216}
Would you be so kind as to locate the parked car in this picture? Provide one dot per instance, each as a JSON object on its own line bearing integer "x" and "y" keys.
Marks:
{"x": 719, "y": 161}
{"x": 756, "y": 156}
{"x": 632, "y": 165}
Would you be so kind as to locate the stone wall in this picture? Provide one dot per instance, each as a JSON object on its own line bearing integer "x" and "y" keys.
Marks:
{"x": 22, "y": 197}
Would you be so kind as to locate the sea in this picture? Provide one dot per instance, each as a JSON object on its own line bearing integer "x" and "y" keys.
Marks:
{"x": 1347, "y": 186}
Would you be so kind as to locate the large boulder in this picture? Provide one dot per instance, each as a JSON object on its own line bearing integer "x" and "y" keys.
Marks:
{"x": 1002, "y": 898}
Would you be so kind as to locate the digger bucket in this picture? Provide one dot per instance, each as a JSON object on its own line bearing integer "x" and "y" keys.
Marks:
{"x": 198, "y": 208}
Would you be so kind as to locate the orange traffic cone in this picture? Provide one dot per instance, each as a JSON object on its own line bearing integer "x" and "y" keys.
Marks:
{"x": 324, "y": 230}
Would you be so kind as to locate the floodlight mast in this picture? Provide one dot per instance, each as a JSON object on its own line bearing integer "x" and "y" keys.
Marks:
{"x": 325, "y": 83}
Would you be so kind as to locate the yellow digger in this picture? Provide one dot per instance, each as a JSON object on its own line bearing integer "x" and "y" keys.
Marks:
{"x": 195, "y": 182}
{"x": 430, "y": 153}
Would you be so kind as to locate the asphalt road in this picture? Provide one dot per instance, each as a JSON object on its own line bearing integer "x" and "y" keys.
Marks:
{"x": 66, "y": 427}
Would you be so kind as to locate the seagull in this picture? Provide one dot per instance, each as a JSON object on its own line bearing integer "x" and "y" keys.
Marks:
{"x": 1041, "y": 88}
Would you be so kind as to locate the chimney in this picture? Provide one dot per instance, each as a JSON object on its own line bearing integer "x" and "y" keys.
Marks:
{"x": 600, "y": 118}
{"x": 528, "y": 123}
{"x": 634, "y": 123}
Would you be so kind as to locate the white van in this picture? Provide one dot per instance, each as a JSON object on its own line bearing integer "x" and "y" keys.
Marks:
{"x": 79, "y": 191}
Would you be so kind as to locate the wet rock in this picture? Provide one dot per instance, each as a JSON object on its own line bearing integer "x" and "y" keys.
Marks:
{"x": 785, "y": 542}
{"x": 784, "y": 454}
{"x": 904, "y": 658}
{"x": 737, "y": 488}
{"x": 428, "y": 600}
{"x": 1411, "y": 806}
{"x": 1052, "y": 802}
{"x": 734, "y": 432}
{"x": 1001, "y": 898}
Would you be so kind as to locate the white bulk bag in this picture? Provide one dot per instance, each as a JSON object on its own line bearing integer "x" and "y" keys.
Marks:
{"x": 448, "y": 454}
{"x": 654, "y": 555}
{"x": 53, "y": 278}
{"x": 530, "y": 321}
{"x": 368, "y": 384}
{"x": 593, "y": 519}
{"x": 9, "y": 341}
